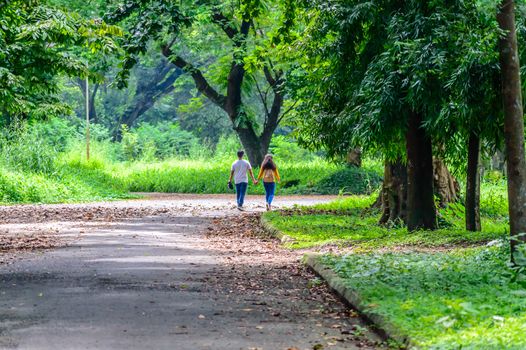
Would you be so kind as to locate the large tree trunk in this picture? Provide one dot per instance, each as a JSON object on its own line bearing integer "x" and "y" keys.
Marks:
{"x": 446, "y": 187}
{"x": 394, "y": 193}
{"x": 473, "y": 184}
{"x": 253, "y": 147}
{"x": 421, "y": 210}
{"x": 513, "y": 122}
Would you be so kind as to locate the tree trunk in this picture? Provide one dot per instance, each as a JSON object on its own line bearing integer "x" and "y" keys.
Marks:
{"x": 354, "y": 157}
{"x": 421, "y": 210}
{"x": 513, "y": 122}
{"x": 446, "y": 187}
{"x": 256, "y": 146}
{"x": 394, "y": 193}
{"x": 473, "y": 185}
{"x": 252, "y": 145}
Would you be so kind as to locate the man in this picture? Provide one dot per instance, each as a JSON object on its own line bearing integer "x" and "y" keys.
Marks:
{"x": 240, "y": 169}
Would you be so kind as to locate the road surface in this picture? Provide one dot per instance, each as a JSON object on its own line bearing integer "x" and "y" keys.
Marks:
{"x": 142, "y": 274}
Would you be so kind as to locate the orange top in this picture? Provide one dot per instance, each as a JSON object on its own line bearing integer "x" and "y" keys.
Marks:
{"x": 276, "y": 174}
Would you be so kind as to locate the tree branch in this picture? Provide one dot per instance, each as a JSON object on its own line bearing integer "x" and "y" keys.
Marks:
{"x": 263, "y": 98}
{"x": 287, "y": 111}
{"x": 237, "y": 36}
{"x": 201, "y": 83}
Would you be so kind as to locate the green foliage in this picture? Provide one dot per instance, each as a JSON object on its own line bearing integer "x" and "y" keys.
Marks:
{"x": 30, "y": 154}
{"x": 210, "y": 176}
{"x": 462, "y": 299}
{"x": 37, "y": 45}
{"x": 351, "y": 222}
{"x": 367, "y": 65}
{"x": 35, "y": 171}
{"x": 288, "y": 150}
{"x": 166, "y": 138}
{"x": 129, "y": 144}
{"x": 45, "y": 162}
{"x": 163, "y": 140}
{"x": 349, "y": 180}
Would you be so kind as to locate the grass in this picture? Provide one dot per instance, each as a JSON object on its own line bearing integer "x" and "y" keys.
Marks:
{"x": 350, "y": 222}
{"x": 464, "y": 299}
{"x": 45, "y": 163}
{"x": 209, "y": 176}
{"x": 67, "y": 177}
{"x": 71, "y": 182}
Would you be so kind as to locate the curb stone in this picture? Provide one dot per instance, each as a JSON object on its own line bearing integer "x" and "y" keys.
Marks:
{"x": 267, "y": 226}
{"x": 314, "y": 261}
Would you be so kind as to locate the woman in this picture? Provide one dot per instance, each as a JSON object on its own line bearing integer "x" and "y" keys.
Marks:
{"x": 270, "y": 175}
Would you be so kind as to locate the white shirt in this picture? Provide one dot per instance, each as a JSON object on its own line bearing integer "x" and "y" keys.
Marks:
{"x": 240, "y": 168}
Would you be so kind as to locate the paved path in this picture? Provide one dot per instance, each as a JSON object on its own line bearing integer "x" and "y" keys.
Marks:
{"x": 142, "y": 283}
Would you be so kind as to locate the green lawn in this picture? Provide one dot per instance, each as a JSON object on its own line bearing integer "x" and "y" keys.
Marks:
{"x": 350, "y": 222}
{"x": 464, "y": 299}
{"x": 458, "y": 293}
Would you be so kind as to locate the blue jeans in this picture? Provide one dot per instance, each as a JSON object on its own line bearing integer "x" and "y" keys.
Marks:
{"x": 241, "y": 190}
{"x": 270, "y": 189}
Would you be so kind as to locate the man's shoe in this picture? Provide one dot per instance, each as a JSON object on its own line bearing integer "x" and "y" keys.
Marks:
{"x": 240, "y": 208}
{"x": 267, "y": 206}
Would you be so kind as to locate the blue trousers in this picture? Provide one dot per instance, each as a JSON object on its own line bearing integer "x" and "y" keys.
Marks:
{"x": 241, "y": 191}
{"x": 270, "y": 190}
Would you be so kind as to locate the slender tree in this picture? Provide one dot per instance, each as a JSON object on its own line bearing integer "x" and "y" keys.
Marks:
{"x": 513, "y": 122}
{"x": 473, "y": 184}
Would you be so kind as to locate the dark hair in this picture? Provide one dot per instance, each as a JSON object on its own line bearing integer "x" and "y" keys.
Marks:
{"x": 240, "y": 154}
{"x": 269, "y": 164}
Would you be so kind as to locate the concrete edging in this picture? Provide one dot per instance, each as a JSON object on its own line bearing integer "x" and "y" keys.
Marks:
{"x": 271, "y": 230}
{"x": 313, "y": 261}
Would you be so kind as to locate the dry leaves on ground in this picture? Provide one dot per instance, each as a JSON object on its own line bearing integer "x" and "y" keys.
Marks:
{"x": 258, "y": 268}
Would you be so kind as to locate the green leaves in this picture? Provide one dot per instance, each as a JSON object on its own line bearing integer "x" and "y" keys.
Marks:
{"x": 38, "y": 44}
{"x": 365, "y": 64}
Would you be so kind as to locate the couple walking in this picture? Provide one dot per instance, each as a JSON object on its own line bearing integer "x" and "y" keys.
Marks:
{"x": 268, "y": 172}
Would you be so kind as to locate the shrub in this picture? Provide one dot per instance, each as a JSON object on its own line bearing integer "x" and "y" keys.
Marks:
{"x": 286, "y": 150}
{"x": 26, "y": 151}
{"x": 348, "y": 180}
{"x": 163, "y": 140}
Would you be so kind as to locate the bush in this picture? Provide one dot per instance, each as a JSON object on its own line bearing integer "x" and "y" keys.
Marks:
{"x": 350, "y": 180}
{"x": 227, "y": 148}
{"x": 286, "y": 150}
{"x": 163, "y": 140}
{"x": 27, "y": 151}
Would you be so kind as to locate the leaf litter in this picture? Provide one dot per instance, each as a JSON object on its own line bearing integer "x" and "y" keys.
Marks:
{"x": 257, "y": 269}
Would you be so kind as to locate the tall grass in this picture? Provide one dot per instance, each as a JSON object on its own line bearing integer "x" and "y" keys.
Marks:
{"x": 211, "y": 176}
{"x": 46, "y": 163}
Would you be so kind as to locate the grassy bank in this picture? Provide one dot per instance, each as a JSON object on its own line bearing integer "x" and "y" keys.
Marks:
{"x": 464, "y": 299}
{"x": 351, "y": 222}
{"x": 72, "y": 179}
{"x": 57, "y": 177}
{"x": 45, "y": 163}
{"x": 70, "y": 182}
{"x": 445, "y": 289}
